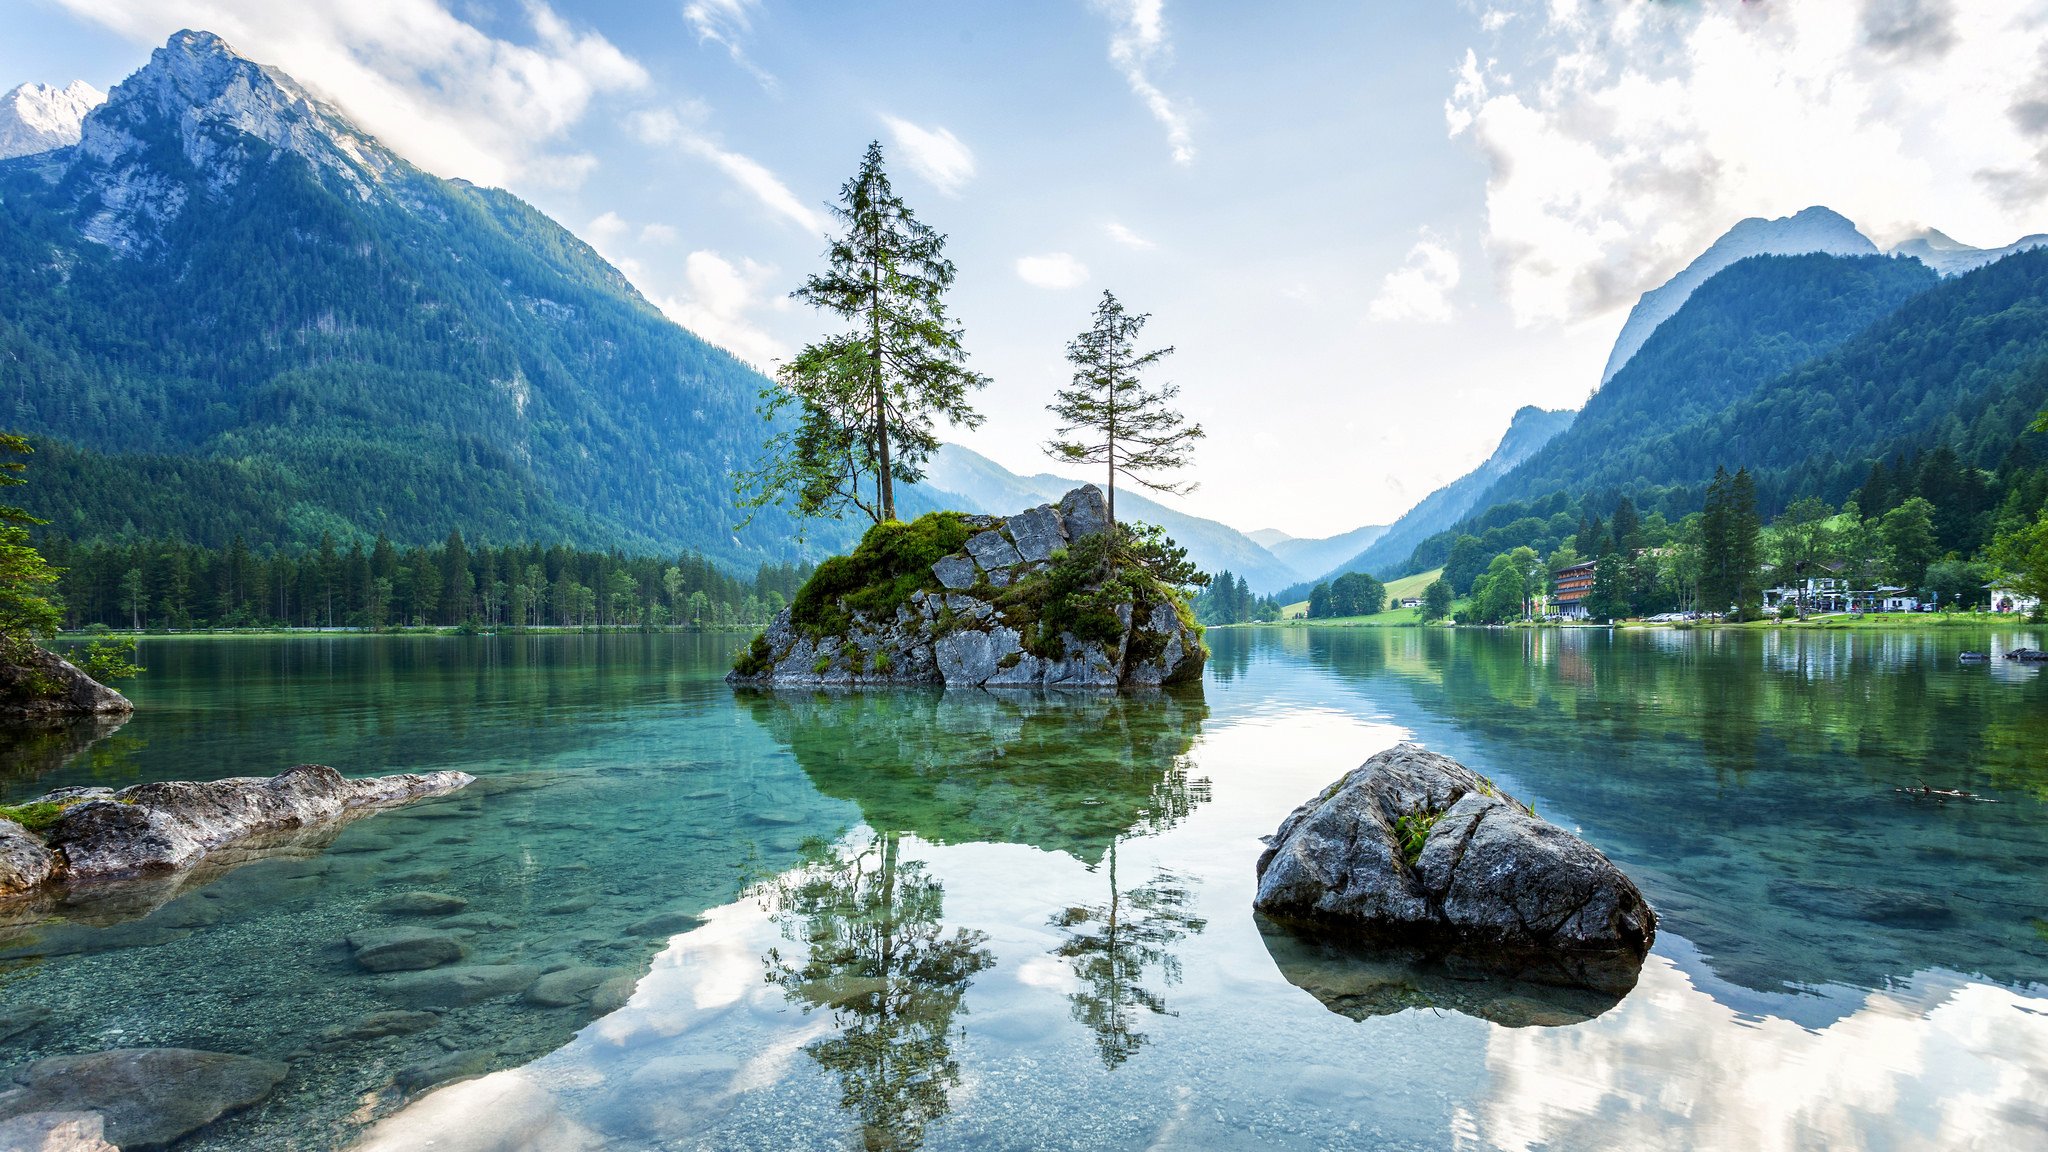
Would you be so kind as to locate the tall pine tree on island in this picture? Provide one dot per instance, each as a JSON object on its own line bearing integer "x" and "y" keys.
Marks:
{"x": 1108, "y": 417}
{"x": 26, "y": 614}
{"x": 865, "y": 400}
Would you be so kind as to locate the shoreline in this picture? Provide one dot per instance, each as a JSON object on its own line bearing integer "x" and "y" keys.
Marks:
{"x": 1889, "y": 621}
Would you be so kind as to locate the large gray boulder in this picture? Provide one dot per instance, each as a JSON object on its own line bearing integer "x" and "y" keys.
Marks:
{"x": 41, "y": 685}
{"x": 977, "y": 622}
{"x": 1414, "y": 850}
{"x": 146, "y": 1097}
{"x": 160, "y": 828}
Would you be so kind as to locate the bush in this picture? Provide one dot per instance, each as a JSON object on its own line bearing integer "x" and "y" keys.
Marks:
{"x": 755, "y": 658}
{"x": 892, "y": 561}
{"x": 111, "y": 659}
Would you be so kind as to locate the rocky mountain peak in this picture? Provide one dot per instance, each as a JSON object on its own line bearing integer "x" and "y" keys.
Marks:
{"x": 198, "y": 120}
{"x": 1815, "y": 229}
{"x": 37, "y": 118}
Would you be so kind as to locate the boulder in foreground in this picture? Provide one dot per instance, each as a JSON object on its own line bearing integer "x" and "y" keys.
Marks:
{"x": 1416, "y": 852}
{"x": 1053, "y": 597}
{"x": 87, "y": 834}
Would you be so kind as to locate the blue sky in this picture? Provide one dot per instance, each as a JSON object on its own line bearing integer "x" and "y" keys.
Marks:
{"x": 1372, "y": 230}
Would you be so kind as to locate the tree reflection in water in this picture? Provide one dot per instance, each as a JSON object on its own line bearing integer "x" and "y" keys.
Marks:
{"x": 1111, "y": 946}
{"x": 877, "y": 956}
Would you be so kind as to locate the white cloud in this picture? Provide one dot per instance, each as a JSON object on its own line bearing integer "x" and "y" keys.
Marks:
{"x": 442, "y": 92}
{"x": 1052, "y": 270}
{"x": 721, "y": 297}
{"x": 1420, "y": 289}
{"x": 658, "y": 234}
{"x": 1629, "y": 136}
{"x": 665, "y": 128}
{"x": 607, "y": 229}
{"x": 933, "y": 153}
{"x": 1137, "y": 44}
{"x": 1127, "y": 238}
{"x": 724, "y": 23}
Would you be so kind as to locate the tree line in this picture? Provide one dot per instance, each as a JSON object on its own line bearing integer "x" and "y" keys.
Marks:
{"x": 1721, "y": 559}
{"x": 172, "y": 585}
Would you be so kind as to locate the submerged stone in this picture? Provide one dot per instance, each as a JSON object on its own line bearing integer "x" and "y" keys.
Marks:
{"x": 55, "y": 1132}
{"x": 404, "y": 949}
{"x": 147, "y": 1097}
{"x": 457, "y": 985}
{"x": 420, "y": 904}
{"x": 1415, "y": 851}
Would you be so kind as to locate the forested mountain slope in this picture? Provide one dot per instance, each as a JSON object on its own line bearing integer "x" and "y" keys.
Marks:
{"x": 246, "y": 316}
{"x": 1960, "y": 366}
{"x": 1751, "y": 322}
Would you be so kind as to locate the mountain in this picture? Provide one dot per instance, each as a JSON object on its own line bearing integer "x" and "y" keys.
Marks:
{"x": 1749, "y": 323}
{"x": 227, "y": 310}
{"x": 36, "y": 118}
{"x": 1311, "y": 558}
{"x": 1529, "y": 430}
{"x": 1267, "y": 537}
{"x": 1952, "y": 257}
{"x": 1812, "y": 230}
{"x": 982, "y": 485}
{"x": 1807, "y": 371}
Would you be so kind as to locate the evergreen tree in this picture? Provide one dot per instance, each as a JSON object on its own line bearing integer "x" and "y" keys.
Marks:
{"x": 1121, "y": 425}
{"x": 865, "y": 400}
{"x": 1745, "y": 549}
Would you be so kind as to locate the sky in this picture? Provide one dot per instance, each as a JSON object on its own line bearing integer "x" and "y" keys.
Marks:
{"x": 1371, "y": 231}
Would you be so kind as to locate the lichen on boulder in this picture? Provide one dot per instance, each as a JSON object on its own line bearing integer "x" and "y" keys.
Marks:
{"x": 1412, "y": 850}
{"x": 1047, "y": 597}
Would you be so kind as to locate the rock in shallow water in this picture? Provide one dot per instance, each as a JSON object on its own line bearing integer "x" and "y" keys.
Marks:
{"x": 148, "y": 1097}
{"x": 404, "y": 949}
{"x": 1416, "y": 851}
{"x": 55, "y": 1132}
{"x": 168, "y": 825}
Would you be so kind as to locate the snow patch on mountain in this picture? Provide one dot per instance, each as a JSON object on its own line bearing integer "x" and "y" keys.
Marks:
{"x": 37, "y": 118}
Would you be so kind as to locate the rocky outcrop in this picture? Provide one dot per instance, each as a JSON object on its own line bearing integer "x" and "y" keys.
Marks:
{"x": 978, "y": 617}
{"x": 37, "y": 684}
{"x": 151, "y": 829}
{"x": 1414, "y": 850}
{"x": 144, "y": 1097}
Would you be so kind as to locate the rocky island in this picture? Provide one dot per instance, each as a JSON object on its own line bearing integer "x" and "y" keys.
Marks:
{"x": 1055, "y": 596}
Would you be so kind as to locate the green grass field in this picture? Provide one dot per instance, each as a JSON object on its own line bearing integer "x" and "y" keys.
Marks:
{"x": 1397, "y": 590}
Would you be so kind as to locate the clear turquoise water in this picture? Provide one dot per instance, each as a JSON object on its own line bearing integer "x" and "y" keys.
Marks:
{"x": 968, "y": 921}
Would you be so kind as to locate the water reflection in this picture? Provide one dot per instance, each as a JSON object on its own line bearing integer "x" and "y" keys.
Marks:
{"x": 1747, "y": 781}
{"x": 1361, "y": 983}
{"x": 1060, "y": 772}
{"x": 1114, "y": 947}
{"x": 877, "y": 956}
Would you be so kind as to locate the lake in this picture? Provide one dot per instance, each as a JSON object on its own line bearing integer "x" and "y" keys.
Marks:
{"x": 701, "y": 920}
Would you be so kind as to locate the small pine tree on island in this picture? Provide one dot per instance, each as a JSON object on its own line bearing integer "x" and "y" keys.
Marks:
{"x": 1108, "y": 417}
{"x": 864, "y": 401}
